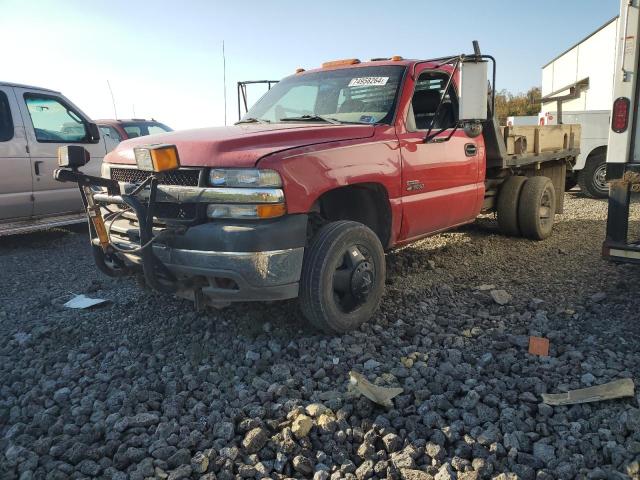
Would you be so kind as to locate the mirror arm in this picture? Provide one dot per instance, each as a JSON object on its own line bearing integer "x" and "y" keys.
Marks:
{"x": 432, "y": 138}
{"x": 428, "y": 136}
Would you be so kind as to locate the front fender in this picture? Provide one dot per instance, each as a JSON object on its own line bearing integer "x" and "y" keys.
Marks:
{"x": 309, "y": 172}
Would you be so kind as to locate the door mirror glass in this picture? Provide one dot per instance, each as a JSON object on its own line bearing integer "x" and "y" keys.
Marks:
{"x": 473, "y": 91}
{"x": 94, "y": 132}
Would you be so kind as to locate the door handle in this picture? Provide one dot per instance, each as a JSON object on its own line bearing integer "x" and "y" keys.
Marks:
{"x": 36, "y": 166}
{"x": 470, "y": 149}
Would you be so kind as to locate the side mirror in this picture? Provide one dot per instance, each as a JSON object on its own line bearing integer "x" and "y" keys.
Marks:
{"x": 473, "y": 91}
{"x": 73, "y": 156}
{"x": 94, "y": 132}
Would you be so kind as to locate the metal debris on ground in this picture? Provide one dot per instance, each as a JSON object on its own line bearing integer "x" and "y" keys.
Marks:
{"x": 380, "y": 395}
{"x": 539, "y": 346}
{"x": 607, "y": 391}
{"x": 82, "y": 301}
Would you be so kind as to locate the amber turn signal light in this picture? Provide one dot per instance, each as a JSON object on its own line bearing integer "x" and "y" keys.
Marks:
{"x": 157, "y": 158}
{"x": 271, "y": 210}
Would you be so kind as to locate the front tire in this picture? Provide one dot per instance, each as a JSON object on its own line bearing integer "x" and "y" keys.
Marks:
{"x": 343, "y": 277}
{"x": 592, "y": 178}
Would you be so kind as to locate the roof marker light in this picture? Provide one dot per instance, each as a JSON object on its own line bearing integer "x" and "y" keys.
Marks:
{"x": 339, "y": 63}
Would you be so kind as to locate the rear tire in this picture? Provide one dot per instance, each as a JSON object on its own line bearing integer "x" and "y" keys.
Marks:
{"x": 343, "y": 277}
{"x": 507, "y": 208}
{"x": 537, "y": 208}
{"x": 592, "y": 179}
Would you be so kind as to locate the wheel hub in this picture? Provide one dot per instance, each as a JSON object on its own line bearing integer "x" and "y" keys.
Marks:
{"x": 362, "y": 280}
{"x": 600, "y": 177}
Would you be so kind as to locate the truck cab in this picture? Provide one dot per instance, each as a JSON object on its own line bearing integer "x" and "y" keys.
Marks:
{"x": 327, "y": 171}
{"x": 34, "y": 122}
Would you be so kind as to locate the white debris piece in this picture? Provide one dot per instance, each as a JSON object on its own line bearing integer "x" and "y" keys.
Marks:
{"x": 82, "y": 301}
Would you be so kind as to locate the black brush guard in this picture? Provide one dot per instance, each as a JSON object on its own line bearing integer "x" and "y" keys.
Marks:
{"x": 156, "y": 274}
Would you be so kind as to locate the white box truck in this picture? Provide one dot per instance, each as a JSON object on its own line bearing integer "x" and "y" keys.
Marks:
{"x": 577, "y": 88}
{"x": 623, "y": 155}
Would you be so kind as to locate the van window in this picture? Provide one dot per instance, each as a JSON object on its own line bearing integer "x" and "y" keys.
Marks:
{"x": 6, "y": 122}
{"x": 111, "y": 132}
{"x": 53, "y": 121}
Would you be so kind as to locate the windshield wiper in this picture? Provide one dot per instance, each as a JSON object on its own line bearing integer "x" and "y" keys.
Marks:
{"x": 253, "y": 120}
{"x": 311, "y": 118}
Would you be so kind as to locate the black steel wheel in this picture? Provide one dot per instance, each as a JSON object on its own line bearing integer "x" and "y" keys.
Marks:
{"x": 343, "y": 276}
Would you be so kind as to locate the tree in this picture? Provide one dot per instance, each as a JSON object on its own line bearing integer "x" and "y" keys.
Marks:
{"x": 508, "y": 104}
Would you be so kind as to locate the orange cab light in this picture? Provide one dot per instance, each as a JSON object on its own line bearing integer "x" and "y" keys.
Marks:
{"x": 299, "y": 70}
{"x": 340, "y": 63}
{"x": 396, "y": 58}
{"x": 271, "y": 210}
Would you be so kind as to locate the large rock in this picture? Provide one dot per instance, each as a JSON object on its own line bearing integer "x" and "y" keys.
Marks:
{"x": 301, "y": 426}
{"x": 255, "y": 439}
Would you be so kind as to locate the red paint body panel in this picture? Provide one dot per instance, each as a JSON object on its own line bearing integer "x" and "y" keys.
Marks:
{"x": 315, "y": 158}
{"x": 240, "y": 145}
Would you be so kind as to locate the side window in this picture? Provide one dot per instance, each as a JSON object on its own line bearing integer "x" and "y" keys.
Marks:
{"x": 300, "y": 100}
{"x": 111, "y": 132}
{"x": 426, "y": 97}
{"x": 53, "y": 121}
{"x": 6, "y": 122}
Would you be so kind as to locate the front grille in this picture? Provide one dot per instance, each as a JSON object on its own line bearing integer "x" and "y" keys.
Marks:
{"x": 185, "y": 177}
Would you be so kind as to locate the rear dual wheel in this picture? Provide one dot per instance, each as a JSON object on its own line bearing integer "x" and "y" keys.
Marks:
{"x": 343, "y": 276}
{"x": 526, "y": 207}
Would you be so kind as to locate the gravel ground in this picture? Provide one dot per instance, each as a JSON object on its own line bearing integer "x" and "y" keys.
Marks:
{"x": 144, "y": 387}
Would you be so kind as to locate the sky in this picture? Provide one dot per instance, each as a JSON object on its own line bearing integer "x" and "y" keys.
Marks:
{"x": 163, "y": 59}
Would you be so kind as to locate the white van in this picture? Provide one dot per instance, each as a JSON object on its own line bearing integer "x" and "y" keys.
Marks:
{"x": 34, "y": 122}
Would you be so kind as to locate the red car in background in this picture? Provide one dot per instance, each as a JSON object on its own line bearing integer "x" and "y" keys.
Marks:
{"x": 124, "y": 129}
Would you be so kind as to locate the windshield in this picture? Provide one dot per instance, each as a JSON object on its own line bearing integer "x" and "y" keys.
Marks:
{"x": 141, "y": 129}
{"x": 347, "y": 95}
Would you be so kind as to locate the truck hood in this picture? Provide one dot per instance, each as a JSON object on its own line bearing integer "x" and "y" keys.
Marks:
{"x": 239, "y": 145}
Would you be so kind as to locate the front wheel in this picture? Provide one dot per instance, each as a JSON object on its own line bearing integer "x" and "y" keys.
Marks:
{"x": 343, "y": 277}
{"x": 593, "y": 177}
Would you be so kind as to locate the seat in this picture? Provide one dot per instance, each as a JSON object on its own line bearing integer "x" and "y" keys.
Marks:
{"x": 425, "y": 103}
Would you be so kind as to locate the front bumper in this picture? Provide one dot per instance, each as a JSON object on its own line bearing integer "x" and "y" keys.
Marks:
{"x": 230, "y": 261}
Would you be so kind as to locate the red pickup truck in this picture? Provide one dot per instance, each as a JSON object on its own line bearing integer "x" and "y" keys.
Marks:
{"x": 329, "y": 169}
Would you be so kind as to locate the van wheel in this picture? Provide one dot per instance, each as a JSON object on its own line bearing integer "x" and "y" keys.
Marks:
{"x": 592, "y": 178}
{"x": 507, "y": 207}
{"x": 343, "y": 277}
{"x": 537, "y": 208}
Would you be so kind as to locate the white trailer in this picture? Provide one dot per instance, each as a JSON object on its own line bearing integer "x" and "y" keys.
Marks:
{"x": 577, "y": 88}
{"x": 623, "y": 155}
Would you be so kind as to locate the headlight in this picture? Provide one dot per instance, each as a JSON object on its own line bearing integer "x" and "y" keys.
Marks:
{"x": 267, "y": 210}
{"x": 244, "y": 177}
{"x": 105, "y": 170}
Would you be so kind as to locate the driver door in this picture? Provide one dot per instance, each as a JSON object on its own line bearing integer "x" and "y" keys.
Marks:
{"x": 50, "y": 121}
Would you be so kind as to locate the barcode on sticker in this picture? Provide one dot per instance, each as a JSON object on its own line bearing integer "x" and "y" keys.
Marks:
{"x": 366, "y": 81}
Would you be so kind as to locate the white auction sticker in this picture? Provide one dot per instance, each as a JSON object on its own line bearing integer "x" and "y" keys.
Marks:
{"x": 366, "y": 81}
